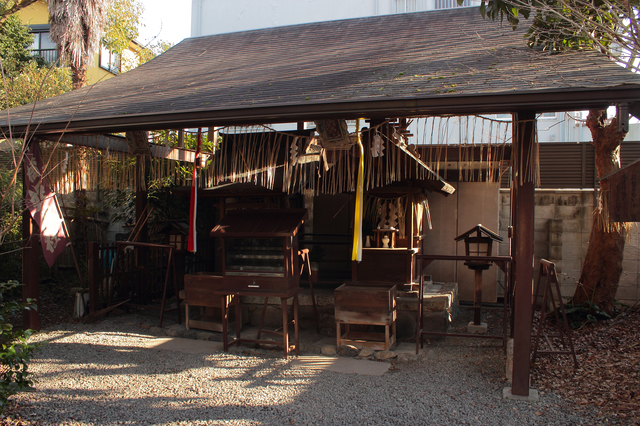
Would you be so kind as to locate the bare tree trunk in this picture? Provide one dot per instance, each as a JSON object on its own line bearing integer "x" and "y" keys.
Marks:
{"x": 603, "y": 263}
{"x": 79, "y": 75}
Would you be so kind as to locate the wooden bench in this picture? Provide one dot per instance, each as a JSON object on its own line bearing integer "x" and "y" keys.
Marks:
{"x": 366, "y": 304}
{"x": 200, "y": 290}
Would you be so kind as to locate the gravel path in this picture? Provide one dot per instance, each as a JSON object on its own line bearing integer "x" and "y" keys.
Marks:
{"x": 104, "y": 374}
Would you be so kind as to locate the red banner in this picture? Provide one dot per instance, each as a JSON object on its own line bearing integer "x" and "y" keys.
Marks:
{"x": 42, "y": 206}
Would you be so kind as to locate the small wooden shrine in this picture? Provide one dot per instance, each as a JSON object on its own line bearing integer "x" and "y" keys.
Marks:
{"x": 260, "y": 249}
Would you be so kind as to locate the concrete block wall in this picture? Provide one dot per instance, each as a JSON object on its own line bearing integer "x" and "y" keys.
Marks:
{"x": 563, "y": 220}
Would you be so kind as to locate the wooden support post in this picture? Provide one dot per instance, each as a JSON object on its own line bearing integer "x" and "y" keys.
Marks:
{"x": 141, "y": 198}
{"x": 522, "y": 195}
{"x": 477, "y": 305}
{"x": 94, "y": 276}
{"x": 30, "y": 260}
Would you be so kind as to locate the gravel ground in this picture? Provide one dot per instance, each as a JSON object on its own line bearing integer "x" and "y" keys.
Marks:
{"x": 101, "y": 374}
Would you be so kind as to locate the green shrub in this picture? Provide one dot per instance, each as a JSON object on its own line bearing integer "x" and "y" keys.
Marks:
{"x": 584, "y": 313}
{"x": 16, "y": 351}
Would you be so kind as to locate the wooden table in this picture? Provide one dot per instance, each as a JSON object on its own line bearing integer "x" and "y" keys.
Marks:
{"x": 285, "y": 295}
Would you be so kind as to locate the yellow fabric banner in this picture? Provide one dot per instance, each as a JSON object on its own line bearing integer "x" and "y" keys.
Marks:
{"x": 357, "y": 224}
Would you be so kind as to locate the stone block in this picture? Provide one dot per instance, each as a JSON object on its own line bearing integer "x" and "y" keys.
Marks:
{"x": 572, "y": 251}
{"x": 328, "y": 350}
{"x": 436, "y": 321}
{"x": 541, "y": 251}
{"x": 173, "y": 332}
{"x": 190, "y": 334}
{"x": 630, "y": 266}
{"x": 568, "y": 290}
{"x": 347, "y": 350}
{"x": 203, "y": 335}
{"x": 477, "y": 329}
{"x": 436, "y": 303}
{"x": 540, "y": 237}
{"x": 156, "y": 330}
{"x": 505, "y": 211}
{"x": 555, "y": 253}
{"x": 407, "y": 303}
{"x": 559, "y": 266}
{"x": 545, "y": 211}
{"x": 384, "y": 355}
{"x": 541, "y": 225}
{"x": 503, "y": 250}
{"x": 556, "y": 225}
{"x": 628, "y": 279}
{"x": 627, "y": 293}
{"x": 575, "y": 225}
{"x": 365, "y": 352}
{"x": 544, "y": 198}
{"x": 570, "y": 265}
{"x": 570, "y": 212}
{"x": 405, "y": 324}
{"x": 405, "y": 357}
{"x": 532, "y": 397}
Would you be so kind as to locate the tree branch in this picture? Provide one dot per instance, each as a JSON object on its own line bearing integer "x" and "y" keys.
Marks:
{"x": 18, "y": 5}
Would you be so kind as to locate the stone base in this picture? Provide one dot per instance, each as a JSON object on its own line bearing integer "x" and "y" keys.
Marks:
{"x": 533, "y": 395}
{"x": 477, "y": 329}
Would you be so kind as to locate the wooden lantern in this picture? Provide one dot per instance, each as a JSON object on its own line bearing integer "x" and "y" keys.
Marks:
{"x": 177, "y": 236}
{"x": 478, "y": 242}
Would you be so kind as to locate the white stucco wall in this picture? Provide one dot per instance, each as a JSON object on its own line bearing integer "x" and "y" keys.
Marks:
{"x": 223, "y": 16}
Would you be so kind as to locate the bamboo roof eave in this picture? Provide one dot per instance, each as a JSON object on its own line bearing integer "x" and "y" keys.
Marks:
{"x": 448, "y": 105}
{"x": 119, "y": 144}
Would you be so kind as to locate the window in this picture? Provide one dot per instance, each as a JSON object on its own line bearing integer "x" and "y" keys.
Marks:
{"x": 450, "y": 4}
{"x": 547, "y": 116}
{"x": 42, "y": 44}
{"x": 405, "y": 6}
{"x": 109, "y": 61}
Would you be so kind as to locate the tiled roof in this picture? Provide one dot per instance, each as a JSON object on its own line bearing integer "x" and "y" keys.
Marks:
{"x": 437, "y": 62}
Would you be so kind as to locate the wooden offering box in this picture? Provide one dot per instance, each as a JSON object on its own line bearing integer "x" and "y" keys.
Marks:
{"x": 366, "y": 304}
{"x": 199, "y": 291}
{"x": 260, "y": 249}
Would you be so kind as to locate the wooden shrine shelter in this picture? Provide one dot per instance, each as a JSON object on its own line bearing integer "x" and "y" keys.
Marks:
{"x": 383, "y": 68}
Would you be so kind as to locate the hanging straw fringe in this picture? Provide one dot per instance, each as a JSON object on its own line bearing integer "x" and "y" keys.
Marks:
{"x": 254, "y": 155}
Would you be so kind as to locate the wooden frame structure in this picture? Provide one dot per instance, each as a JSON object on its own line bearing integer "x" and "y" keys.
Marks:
{"x": 383, "y": 74}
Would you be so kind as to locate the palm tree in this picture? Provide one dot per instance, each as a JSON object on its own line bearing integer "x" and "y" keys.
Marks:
{"x": 77, "y": 27}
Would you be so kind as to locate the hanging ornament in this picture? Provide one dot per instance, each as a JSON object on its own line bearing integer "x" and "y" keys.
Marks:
{"x": 377, "y": 150}
{"x": 293, "y": 151}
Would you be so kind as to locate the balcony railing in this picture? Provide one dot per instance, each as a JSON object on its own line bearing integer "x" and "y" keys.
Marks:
{"x": 49, "y": 55}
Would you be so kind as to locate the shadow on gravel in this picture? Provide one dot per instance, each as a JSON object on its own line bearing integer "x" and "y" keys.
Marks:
{"x": 103, "y": 376}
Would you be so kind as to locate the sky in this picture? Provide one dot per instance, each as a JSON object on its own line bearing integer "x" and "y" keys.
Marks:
{"x": 170, "y": 20}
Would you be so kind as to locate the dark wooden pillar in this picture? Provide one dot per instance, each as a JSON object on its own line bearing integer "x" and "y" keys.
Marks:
{"x": 522, "y": 198}
{"x": 93, "y": 260}
{"x": 141, "y": 197}
{"x": 138, "y": 142}
{"x": 30, "y": 273}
